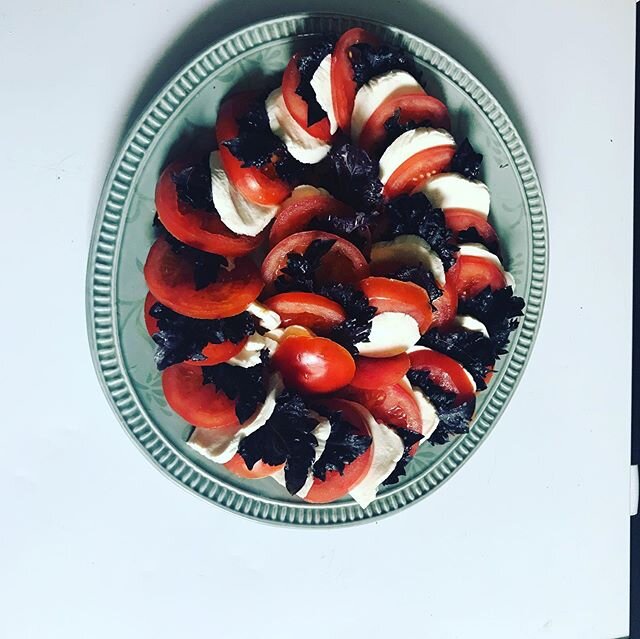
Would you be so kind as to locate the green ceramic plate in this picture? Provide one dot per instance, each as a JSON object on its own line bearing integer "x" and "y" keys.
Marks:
{"x": 186, "y": 110}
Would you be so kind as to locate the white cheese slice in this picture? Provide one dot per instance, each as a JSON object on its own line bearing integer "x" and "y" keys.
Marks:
{"x": 428, "y": 414}
{"x": 236, "y": 212}
{"x": 302, "y": 146}
{"x": 408, "y": 144}
{"x": 250, "y": 354}
{"x": 391, "y": 334}
{"x": 321, "y": 85}
{"x": 469, "y": 323}
{"x": 266, "y": 317}
{"x": 374, "y": 93}
{"x": 453, "y": 191}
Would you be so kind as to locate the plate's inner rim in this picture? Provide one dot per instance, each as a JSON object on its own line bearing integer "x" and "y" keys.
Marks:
{"x": 141, "y": 140}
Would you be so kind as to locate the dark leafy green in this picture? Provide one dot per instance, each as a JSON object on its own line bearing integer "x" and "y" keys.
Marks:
{"x": 180, "y": 338}
{"x": 395, "y": 128}
{"x": 299, "y": 273}
{"x": 409, "y": 438}
{"x": 453, "y": 418}
{"x": 193, "y": 185}
{"x": 344, "y": 445}
{"x": 355, "y": 228}
{"x": 369, "y": 61}
{"x": 307, "y": 66}
{"x": 415, "y": 215}
{"x": 466, "y": 161}
{"x": 286, "y": 438}
{"x": 471, "y": 236}
{"x": 246, "y": 386}
{"x": 422, "y": 277}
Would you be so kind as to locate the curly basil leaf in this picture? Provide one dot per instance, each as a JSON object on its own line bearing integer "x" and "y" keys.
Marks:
{"x": 299, "y": 272}
{"x": 422, "y": 277}
{"x": 472, "y": 236}
{"x": 307, "y": 65}
{"x": 409, "y": 439}
{"x": 354, "y": 228}
{"x": 369, "y": 61}
{"x": 193, "y": 185}
{"x": 466, "y": 161}
{"x": 394, "y": 128}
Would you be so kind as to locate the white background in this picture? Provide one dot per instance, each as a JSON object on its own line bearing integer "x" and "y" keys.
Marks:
{"x": 528, "y": 540}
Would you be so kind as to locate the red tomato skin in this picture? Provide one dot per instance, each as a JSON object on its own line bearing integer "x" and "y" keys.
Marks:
{"x": 313, "y": 364}
{"x": 373, "y": 372}
{"x": 310, "y": 310}
{"x": 472, "y": 274}
{"x": 462, "y": 219}
{"x": 170, "y": 280}
{"x": 444, "y": 371}
{"x": 199, "y": 404}
{"x": 420, "y": 166}
{"x": 238, "y": 467}
{"x": 446, "y": 306}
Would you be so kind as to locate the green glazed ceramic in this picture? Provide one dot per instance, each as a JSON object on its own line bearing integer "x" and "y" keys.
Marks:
{"x": 186, "y": 110}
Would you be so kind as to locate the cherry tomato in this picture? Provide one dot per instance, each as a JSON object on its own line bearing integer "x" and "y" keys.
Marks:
{"x": 170, "y": 279}
{"x": 304, "y": 205}
{"x": 343, "y": 86}
{"x": 462, "y": 219}
{"x": 297, "y": 106}
{"x": 412, "y": 106}
{"x": 472, "y": 274}
{"x": 336, "y": 484}
{"x": 399, "y": 297}
{"x": 203, "y": 230}
{"x": 199, "y": 404}
{"x": 213, "y": 353}
{"x": 414, "y": 171}
{"x": 237, "y": 466}
{"x": 343, "y": 263}
{"x": 315, "y": 312}
{"x": 261, "y": 186}
{"x": 445, "y": 371}
{"x": 313, "y": 364}
{"x": 372, "y": 373}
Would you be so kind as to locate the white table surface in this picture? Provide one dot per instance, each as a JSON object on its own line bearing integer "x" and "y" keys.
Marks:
{"x": 529, "y": 540}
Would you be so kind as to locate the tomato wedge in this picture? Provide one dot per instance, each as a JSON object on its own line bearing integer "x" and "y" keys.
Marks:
{"x": 170, "y": 279}
{"x": 445, "y": 371}
{"x": 304, "y": 205}
{"x": 237, "y": 466}
{"x": 446, "y": 306}
{"x": 199, "y": 404}
{"x": 297, "y": 106}
{"x": 413, "y": 106}
{"x": 343, "y": 86}
{"x": 373, "y": 372}
{"x": 203, "y": 230}
{"x": 261, "y": 186}
{"x": 213, "y": 353}
{"x": 343, "y": 263}
{"x": 400, "y": 297}
{"x": 462, "y": 219}
{"x": 307, "y": 309}
{"x": 472, "y": 274}
{"x": 313, "y": 364}
{"x": 412, "y": 172}
{"x": 335, "y": 484}
{"x": 392, "y": 405}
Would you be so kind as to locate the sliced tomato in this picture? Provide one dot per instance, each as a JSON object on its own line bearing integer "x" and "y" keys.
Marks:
{"x": 170, "y": 279}
{"x": 213, "y": 353}
{"x": 462, "y": 219}
{"x": 399, "y": 297}
{"x": 472, "y": 274}
{"x": 203, "y": 230}
{"x": 392, "y": 405}
{"x": 374, "y": 372}
{"x": 297, "y": 105}
{"x": 446, "y": 306}
{"x": 313, "y": 364}
{"x": 313, "y": 311}
{"x": 237, "y": 466}
{"x": 415, "y": 170}
{"x": 259, "y": 185}
{"x": 343, "y": 263}
{"x": 304, "y": 205}
{"x": 413, "y": 106}
{"x": 336, "y": 484}
{"x": 202, "y": 405}
{"x": 445, "y": 371}
{"x": 343, "y": 86}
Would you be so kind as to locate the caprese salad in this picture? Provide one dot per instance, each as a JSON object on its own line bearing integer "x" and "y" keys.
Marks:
{"x": 326, "y": 291}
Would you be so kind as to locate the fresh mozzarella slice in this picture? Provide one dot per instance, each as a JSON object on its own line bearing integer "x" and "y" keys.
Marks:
{"x": 302, "y": 146}
{"x": 391, "y": 334}
{"x": 250, "y": 354}
{"x": 410, "y": 250}
{"x": 469, "y": 323}
{"x": 321, "y": 85}
{"x": 266, "y": 317}
{"x": 236, "y": 212}
{"x": 221, "y": 444}
{"x": 387, "y": 451}
{"x": 428, "y": 414}
{"x": 408, "y": 144}
{"x": 453, "y": 191}
{"x": 374, "y": 93}
{"x": 478, "y": 250}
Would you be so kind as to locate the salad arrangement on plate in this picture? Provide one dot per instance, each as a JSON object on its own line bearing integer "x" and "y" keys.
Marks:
{"x": 326, "y": 292}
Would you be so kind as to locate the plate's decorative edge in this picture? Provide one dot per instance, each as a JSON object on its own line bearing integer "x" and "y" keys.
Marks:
{"x": 101, "y": 320}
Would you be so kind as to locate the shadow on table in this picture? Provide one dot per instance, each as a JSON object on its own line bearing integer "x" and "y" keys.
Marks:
{"x": 225, "y": 16}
